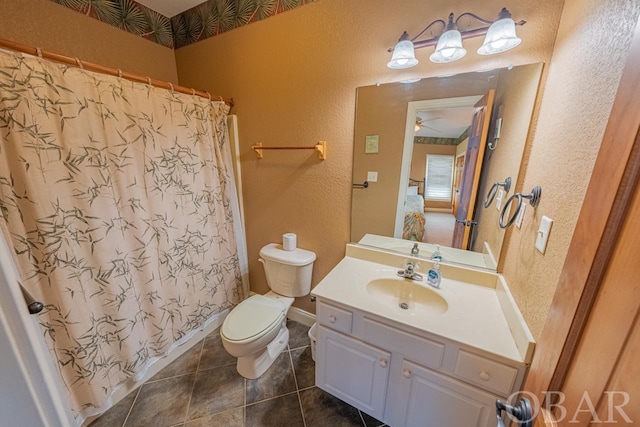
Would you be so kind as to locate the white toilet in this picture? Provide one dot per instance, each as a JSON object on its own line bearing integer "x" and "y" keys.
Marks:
{"x": 255, "y": 331}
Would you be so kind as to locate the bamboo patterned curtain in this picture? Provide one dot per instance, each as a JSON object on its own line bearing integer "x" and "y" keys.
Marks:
{"x": 116, "y": 199}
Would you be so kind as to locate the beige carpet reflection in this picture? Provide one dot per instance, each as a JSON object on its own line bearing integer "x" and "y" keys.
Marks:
{"x": 439, "y": 228}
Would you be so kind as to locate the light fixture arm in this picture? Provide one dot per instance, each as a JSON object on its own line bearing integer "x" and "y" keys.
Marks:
{"x": 405, "y": 35}
{"x": 504, "y": 13}
{"x": 437, "y": 21}
{"x": 473, "y": 15}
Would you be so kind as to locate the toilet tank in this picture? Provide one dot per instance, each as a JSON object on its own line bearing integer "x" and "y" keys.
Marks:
{"x": 288, "y": 272}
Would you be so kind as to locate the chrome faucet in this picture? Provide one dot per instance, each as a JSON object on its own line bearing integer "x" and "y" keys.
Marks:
{"x": 415, "y": 250}
{"x": 409, "y": 273}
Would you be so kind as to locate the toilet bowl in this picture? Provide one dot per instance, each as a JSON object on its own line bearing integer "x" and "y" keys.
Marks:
{"x": 255, "y": 330}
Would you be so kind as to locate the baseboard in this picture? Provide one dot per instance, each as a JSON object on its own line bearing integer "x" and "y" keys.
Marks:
{"x": 157, "y": 364}
{"x": 298, "y": 315}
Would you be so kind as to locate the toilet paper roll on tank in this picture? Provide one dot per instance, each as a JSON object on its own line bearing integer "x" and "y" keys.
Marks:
{"x": 289, "y": 241}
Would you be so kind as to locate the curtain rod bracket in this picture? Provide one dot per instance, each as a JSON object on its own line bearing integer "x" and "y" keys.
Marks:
{"x": 321, "y": 148}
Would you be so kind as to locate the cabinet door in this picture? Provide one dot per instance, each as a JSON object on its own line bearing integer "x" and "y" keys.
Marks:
{"x": 352, "y": 371}
{"x": 422, "y": 398}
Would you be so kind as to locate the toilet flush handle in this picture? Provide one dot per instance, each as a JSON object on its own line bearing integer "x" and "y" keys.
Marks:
{"x": 261, "y": 261}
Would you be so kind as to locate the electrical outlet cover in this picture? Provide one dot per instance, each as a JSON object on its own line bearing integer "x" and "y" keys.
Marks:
{"x": 372, "y": 176}
{"x": 543, "y": 234}
{"x": 499, "y": 197}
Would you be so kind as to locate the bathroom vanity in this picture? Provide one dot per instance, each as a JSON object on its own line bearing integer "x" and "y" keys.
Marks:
{"x": 411, "y": 355}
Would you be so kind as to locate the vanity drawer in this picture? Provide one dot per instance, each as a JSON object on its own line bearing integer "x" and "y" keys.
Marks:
{"x": 488, "y": 374}
{"x": 419, "y": 349}
{"x": 334, "y": 317}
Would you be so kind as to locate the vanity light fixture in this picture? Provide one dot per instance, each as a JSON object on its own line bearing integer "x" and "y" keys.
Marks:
{"x": 500, "y": 36}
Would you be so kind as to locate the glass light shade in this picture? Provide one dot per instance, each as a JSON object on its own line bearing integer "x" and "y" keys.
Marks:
{"x": 449, "y": 47}
{"x": 403, "y": 56}
{"x": 500, "y": 37}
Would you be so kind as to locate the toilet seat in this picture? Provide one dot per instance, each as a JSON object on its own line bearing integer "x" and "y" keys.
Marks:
{"x": 252, "y": 318}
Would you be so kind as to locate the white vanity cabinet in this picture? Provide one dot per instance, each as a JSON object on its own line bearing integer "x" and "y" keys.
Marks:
{"x": 421, "y": 397}
{"x": 353, "y": 371}
{"x": 406, "y": 377}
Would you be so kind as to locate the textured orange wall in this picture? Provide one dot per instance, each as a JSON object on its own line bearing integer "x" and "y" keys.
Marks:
{"x": 592, "y": 44}
{"x": 294, "y": 77}
{"x": 45, "y": 24}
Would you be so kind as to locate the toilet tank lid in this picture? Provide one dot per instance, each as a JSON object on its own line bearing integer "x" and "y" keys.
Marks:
{"x": 296, "y": 257}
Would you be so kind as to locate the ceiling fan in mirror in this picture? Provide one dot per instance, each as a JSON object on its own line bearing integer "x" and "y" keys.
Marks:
{"x": 421, "y": 123}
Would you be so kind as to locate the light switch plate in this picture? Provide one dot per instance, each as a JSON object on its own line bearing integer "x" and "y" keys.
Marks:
{"x": 372, "y": 176}
{"x": 520, "y": 216}
{"x": 499, "y": 197}
{"x": 543, "y": 234}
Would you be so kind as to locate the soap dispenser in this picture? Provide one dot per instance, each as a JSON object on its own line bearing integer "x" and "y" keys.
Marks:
{"x": 436, "y": 256}
{"x": 434, "y": 277}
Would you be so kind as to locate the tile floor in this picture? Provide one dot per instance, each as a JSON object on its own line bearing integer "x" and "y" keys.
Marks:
{"x": 202, "y": 389}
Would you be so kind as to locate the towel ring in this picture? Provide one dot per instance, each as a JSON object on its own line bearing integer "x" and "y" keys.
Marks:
{"x": 533, "y": 197}
{"x": 494, "y": 190}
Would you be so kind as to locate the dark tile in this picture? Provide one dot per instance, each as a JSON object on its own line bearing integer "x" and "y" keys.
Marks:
{"x": 304, "y": 367}
{"x": 369, "y": 421}
{"x": 187, "y": 363}
{"x": 298, "y": 334}
{"x": 322, "y": 409}
{"x": 116, "y": 415}
{"x": 216, "y": 390}
{"x": 162, "y": 403}
{"x": 213, "y": 353}
{"x": 232, "y": 418}
{"x": 278, "y": 380}
{"x": 283, "y": 411}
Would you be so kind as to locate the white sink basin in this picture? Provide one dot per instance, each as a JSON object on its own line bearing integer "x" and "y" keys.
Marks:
{"x": 407, "y": 295}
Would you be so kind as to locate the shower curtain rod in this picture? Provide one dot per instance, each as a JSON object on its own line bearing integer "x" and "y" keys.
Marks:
{"x": 36, "y": 51}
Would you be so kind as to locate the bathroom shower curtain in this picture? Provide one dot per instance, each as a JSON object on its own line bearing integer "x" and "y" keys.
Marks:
{"x": 116, "y": 198}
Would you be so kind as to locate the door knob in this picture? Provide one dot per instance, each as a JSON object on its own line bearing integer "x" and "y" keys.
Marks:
{"x": 332, "y": 319}
{"x": 521, "y": 411}
{"x": 383, "y": 363}
{"x": 406, "y": 373}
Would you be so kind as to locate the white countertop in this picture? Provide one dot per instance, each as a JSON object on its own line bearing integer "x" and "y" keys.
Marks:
{"x": 474, "y": 317}
{"x": 470, "y": 258}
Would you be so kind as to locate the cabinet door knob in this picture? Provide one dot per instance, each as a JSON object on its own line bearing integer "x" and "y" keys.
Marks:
{"x": 332, "y": 319}
{"x": 406, "y": 373}
{"x": 484, "y": 376}
{"x": 383, "y": 363}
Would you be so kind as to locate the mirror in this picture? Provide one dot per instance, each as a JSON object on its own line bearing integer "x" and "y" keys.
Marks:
{"x": 388, "y": 116}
